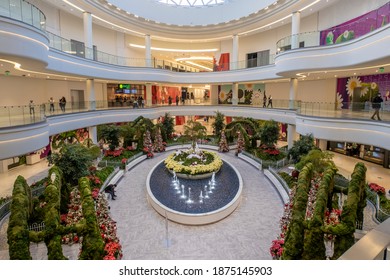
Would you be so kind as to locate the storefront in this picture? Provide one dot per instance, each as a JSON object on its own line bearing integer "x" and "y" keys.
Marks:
{"x": 365, "y": 152}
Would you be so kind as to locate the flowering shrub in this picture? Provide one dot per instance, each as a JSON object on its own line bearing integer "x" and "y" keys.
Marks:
{"x": 94, "y": 181}
{"x": 190, "y": 162}
{"x": 377, "y": 188}
{"x": 277, "y": 245}
{"x": 108, "y": 229}
{"x": 74, "y": 216}
{"x": 276, "y": 249}
{"x": 331, "y": 218}
{"x": 114, "y": 153}
{"x": 315, "y": 184}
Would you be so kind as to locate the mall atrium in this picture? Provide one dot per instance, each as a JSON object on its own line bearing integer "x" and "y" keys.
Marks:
{"x": 320, "y": 62}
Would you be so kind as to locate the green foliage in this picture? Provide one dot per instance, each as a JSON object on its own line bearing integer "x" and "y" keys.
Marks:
{"x": 194, "y": 130}
{"x": 301, "y": 147}
{"x": 349, "y": 216}
{"x": 294, "y": 241}
{"x": 291, "y": 182}
{"x": 320, "y": 160}
{"x": 110, "y": 135}
{"x": 73, "y": 160}
{"x": 235, "y": 128}
{"x": 104, "y": 173}
{"x": 93, "y": 244}
{"x": 219, "y": 123}
{"x": 17, "y": 232}
{"x": 64, "y": 139}
{"x": 168, "y": 127}
{"x": 52, "y": 233}
{"x": 314, "y": 247}
{"x": 269, "y": 133}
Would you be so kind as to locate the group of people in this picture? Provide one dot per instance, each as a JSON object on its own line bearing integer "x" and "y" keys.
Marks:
{"x": 265, "y": 101}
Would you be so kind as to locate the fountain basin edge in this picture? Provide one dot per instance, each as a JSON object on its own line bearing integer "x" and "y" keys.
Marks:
{"x": 194, "y": 218}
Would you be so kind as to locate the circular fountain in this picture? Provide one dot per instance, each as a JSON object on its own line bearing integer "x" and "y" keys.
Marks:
{"x": 194, "y": 202}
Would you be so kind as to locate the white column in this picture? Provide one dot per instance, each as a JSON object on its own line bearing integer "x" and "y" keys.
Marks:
{"x": 214, "y": 94}
{"x": 296, "y": 23}
{"x": 91, "y": 94}
{"x": 235, "y": 94}
{"x": 293, "y": 92}
{"x": 87, "y": 20}
{"x": 148, "y": 51}
{"x": 234, "y": 62}
{"x": 4, "y": 166}
{"x": 148, "y": 101}
{"x": 92, "y": 130}
{"x": 323, "y": 144}
{"x": 291, "y": 135}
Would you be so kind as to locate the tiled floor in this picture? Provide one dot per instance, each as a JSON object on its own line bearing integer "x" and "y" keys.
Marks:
{"x": 245, "y": 234}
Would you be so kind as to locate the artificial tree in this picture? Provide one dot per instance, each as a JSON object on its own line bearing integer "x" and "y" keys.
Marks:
{"x": 223, "y": 145}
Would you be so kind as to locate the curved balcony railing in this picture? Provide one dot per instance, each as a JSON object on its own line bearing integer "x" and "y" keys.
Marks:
{"x": 78, "y": 49}
{"x": 20, "y": 115}
{"x": 23, "y": 11}
{"x": 339, "y": 34}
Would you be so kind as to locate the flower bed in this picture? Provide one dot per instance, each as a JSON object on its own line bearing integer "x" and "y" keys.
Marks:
{"x": 193, "y": 162}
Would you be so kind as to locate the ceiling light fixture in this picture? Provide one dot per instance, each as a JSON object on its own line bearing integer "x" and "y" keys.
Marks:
{"x": 173, "y": 50}
{"x": 194, "y": 58}
{"x": 200, "y": 66}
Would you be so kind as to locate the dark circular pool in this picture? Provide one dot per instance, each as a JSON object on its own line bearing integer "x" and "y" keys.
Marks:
{"x": 226, "y": 189}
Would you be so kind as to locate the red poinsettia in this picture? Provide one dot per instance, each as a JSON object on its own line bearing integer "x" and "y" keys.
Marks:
{"x": 377, "y": 188}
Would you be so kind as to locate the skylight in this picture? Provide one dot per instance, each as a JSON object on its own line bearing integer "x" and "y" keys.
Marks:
{"x": 191, "y": 3}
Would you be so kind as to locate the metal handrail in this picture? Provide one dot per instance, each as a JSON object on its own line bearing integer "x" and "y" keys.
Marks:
{"x": 23, "y": 11}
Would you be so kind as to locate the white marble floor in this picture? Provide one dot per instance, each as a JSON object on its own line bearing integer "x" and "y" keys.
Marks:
{"x": 245, "y": 234}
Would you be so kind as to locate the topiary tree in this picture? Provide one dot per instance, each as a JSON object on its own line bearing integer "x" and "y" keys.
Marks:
{"x": 314, "y": 247}
{"x": 301, "y": 147}
{"x": 344, "y": 231}
{"x": 148, "y": 145}
{"x": 110, "y": 135}
{"x": 93, "y": 244}
{"x": 194, "y": 130}
{"x": 158, "y": 145}
{"x": 321, "y": 160}
{"x": 168, "y": 127}
{"x": 240, "y": 142}
{"x": 294, "y": 240}
{"x": 17, "y": 232}
{"x": 269, "y": 133}
{"x": 219, "y": 123}
{"x": 223, "y": 145}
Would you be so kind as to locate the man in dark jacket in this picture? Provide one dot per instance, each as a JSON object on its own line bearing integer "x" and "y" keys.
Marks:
{"x": 376, "y": 105}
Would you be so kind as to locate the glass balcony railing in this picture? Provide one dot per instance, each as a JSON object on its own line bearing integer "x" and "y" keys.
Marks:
{"x": 21, "y": 115}
{"x": 23, "y": 11}
{"x": 342, "y": 33}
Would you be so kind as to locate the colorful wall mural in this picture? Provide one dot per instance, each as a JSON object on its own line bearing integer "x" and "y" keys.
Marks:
{"x": 369, "y": 86}
{"x": 356, "y": 27}
{"x": 247, "y": 94}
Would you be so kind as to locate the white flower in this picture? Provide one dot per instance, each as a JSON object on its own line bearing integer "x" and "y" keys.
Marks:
{"x": 352, "y": 83}
{"x": 339, "y": 101}
{"x": 256, "y": 98}
{"x": 222, "y": 95}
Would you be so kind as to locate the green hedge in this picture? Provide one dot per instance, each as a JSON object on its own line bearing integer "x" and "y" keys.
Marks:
{"x": 17, "y": 232}
{"x": 294, "y": 241}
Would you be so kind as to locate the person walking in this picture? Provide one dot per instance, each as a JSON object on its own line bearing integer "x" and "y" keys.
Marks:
{"x": 269, "y": 101}
{"x": 32, "y": 109}
{"x": 62, "y": 103}
{"x": 264, "y": 100}
{"x": 376, "y": 105}
{"x": 51, "y": 102}
{"x": 177, "y": 100}
{"x": 169, "y": 100}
